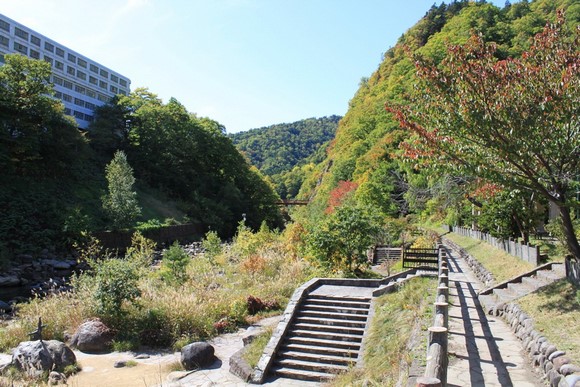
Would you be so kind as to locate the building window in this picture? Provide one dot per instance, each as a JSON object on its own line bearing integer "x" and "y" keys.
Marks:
{"x": 20, "y": 48}
{"x": 81, "y": 75}
{"x": 103, "y": 98}
{"x": 103, "y": 85}
{"x": 35, "y": 40}
{"x": 93, "y": 80}
{"x": 70, "y": 70}
{"x": 91, "y": 94}
{"x": 122, "y": 92}
{"x": 91, "y": 106}
{"x": 114, "y": 78}
{"x": 58, "y": 94}
{"x": 48, "y": 47}
{"x": 72, "y": 58}
{"x": 94, "y": 68}
{"x": 80, "y": 89}
{"x": 48, "y": 59}
{"x": 4, "y": 41}
{"x": 57, "y": 81}
{"x": 79, "y": 115}
{"x": 2, "y": 58}
{"x": 123, "y": 82}
{"x": 66, "y": 97}
{"x": 82, "y": 63}
{"x": 58, "y": 65}
{"x": 113, "y": 89}
{"x": 67, "y": 84}
{"x": 89, "y": 118}
{"x": 34, "y": 54}
{"x": 5, "y": 26}
{"x": 104, "y": 73}
{"x": 79, "y": 102}
{"x": 60, "y": 52}
{"x": 20, "y": 33}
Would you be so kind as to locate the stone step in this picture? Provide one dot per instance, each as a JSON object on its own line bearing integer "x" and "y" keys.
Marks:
{"x": 293, "y": 373}
{"x": 308, "y": 306}
{"x": 338, "y": 302}
{"x": 313, "y": 342}
{"x": 534, "y": 282}
{"x": 338, "y": 299}
{"x": 335, "y": 336}
{"x": 320, "y": 348}
{"x": 503, "y": 295}
{"x": 330, "y": 321}
{"x": 312, "y": 366}
{"x": 316, "y": 358}
{"x": 333, "y": 315}
{"x": 548, "y": 275}
{"x": 318, "y": 327}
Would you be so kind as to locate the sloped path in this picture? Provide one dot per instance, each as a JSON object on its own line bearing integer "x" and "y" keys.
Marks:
{"x": 483, "y": 351}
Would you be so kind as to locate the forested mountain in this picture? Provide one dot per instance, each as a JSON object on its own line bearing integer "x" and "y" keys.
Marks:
{"x": 53, "y": 176}
{"x": 367, "y": 163}
{"x": 284, "y": 151}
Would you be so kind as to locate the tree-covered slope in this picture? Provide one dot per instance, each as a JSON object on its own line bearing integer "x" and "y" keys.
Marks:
{"x": 278, "y": 148}
{"x": 287, "y": 152}
{"x": 366, "y": 150}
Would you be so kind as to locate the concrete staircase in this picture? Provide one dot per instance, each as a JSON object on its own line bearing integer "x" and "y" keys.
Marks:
{"x": 323, "y": 339}
{"x": 386, "y": 254}
{"x": 521, "y": 286}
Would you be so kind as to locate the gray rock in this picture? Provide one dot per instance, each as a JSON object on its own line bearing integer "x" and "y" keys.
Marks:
{"x": 197, "y": 355}
{"x": 5, "y": 307}
{"x": 573, "y": 380}
{"x": 35, "y": 357}
{"x": 142, "y": 356}
{"x": 92, "y": 337}
{"x": 568, "y": 369}
{"x": 120, "y": 364}
{"x": 55, "y": 378}
{"x": 9, "y": 280}
{"x": 556, "y": 354}
{"x": 560, "y": 361}
{"x": 550, "y": 350}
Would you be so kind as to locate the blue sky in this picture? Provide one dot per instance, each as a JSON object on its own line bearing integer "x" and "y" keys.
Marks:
{"x": 244, "y": 63}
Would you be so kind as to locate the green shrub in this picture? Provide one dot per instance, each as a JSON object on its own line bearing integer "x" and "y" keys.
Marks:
{"x": 175, "y": 261}
{"x": 212, "y": 245}
{"x": 117, "y": 282}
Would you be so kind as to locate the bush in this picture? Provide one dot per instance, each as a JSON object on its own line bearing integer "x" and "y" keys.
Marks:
{"x": 212, "y": 245}
{"x": 117, "y": 282}
{"x": 175, "y": 261}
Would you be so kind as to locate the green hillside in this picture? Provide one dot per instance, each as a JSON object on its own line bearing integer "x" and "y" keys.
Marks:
{"x": 367, "y": 152}
{"x": 286, "y": 152}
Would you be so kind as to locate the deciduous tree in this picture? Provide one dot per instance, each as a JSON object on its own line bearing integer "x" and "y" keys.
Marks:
{"x": 512, "y": 121}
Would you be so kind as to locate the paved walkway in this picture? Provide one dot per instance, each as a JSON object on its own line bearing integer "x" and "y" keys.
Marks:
{"x": 483, "y": 351}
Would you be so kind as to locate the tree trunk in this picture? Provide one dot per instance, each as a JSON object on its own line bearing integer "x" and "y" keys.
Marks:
{"x": 569, "y": 234}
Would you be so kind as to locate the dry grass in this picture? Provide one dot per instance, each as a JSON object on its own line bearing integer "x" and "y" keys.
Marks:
{"x": 391, "y": 329}
{"x": 502, "y": 265}
{"x": 556, "y": 313}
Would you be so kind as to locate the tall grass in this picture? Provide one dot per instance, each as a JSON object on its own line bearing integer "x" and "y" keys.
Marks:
{"x": 392, "y": 327}
{"x": 212, "y": 296}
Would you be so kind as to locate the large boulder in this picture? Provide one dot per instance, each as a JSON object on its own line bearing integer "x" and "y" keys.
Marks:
{"x": 92, "y": 337}
{"x": 36, "y": 357}
{"x": 197, "y": 355}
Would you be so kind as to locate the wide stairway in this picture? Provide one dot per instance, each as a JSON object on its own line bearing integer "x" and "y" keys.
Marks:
{"x": 324, "y": 338}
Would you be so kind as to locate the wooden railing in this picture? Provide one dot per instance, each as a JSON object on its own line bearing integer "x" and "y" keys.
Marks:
{"x": 437, "y": 351}
{"x": 420, "y": 258}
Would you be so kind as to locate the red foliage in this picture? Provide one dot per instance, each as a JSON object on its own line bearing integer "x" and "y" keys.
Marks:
{"x": 256, "y": 305}
{"x": 338, "y": 194}
{"x": 487, "y": 191}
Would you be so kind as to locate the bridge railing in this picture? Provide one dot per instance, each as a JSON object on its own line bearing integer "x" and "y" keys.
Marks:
{"x": 420, "y": 258}
{"x": 437, "y": 347}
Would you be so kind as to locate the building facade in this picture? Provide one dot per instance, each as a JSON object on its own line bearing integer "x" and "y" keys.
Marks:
{"x": 81, "y": 83}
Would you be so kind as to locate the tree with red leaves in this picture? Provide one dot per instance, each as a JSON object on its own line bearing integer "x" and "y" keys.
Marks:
{"x": 514, "y": 122}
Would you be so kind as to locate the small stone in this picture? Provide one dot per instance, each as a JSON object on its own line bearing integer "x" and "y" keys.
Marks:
{"x": 560, "y": 361}
{"x": 573, "y": 380}
{"x": 120, "y": 364}
{"x": 568, "y": 369}
{"x": 55, "y": 378}
{"x": 142, "y": 356}
{"x": 556, "y": 354}
{"x": 550, "y": 349}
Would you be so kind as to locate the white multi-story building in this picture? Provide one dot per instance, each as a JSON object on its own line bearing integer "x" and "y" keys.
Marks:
{"x": 81, "y": 83}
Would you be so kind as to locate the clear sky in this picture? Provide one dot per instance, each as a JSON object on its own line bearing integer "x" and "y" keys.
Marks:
{"x": 244, "y": 63}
